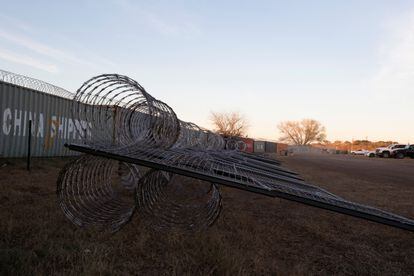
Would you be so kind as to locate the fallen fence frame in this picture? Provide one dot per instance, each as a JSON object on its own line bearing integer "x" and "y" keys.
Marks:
{"x": 149, "y": 146}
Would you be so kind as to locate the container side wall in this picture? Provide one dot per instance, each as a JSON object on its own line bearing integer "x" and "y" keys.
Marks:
{"x": 259, "y": 146}
{"x": 52, "y": 123}
{"x": 249, "y": 144}
{"x": 270, "y": 147}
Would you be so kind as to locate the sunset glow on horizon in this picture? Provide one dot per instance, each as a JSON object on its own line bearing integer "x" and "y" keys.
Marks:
{"x": 348, "y": 64}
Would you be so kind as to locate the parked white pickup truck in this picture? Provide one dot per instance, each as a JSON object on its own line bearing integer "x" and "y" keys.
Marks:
{"x": 387, "y": 151}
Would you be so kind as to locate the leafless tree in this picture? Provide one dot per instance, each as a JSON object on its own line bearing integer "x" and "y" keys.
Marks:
{"x": 229, "y": 124}
{"x": 302, "y": 132}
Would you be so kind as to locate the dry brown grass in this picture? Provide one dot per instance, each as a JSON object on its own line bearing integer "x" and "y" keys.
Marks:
{"x": 254, "y": 235}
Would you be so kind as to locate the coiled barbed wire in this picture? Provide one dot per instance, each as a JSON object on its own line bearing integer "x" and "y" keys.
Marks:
{"x": 97, "y": 191}
{"x": 234, "y": 143}
{"x": 120, "y": 115}
{"x": 172, "y": 167}
{"x": 167, "y": 200}
{"x": 34, "y": 84}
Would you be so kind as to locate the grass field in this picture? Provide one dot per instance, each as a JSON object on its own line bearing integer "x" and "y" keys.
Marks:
{"x": 254, "y": 234}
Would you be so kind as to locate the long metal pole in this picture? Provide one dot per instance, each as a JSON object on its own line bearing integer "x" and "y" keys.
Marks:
{"x": 29, "y": 144}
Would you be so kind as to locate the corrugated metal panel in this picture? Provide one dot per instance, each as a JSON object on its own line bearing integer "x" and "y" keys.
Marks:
{"x": 259, "y": 146}
{"x": 281, "y": 148}
{"x": 52, "y": 122}
{"x": 304, "y": 149}
{"x": 249, "y": 144}
{"x": 270, "y": 147}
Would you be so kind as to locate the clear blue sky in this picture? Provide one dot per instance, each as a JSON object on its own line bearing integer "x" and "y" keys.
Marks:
{"x": 348, "y": 64}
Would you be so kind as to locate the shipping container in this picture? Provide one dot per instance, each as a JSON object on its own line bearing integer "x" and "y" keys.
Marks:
{"x": 259, "y": 146}
{"x": 47, "y": 108}
{"x": 249, "y": 144}
{"x": 304, "y": 149}
{"x": 270, "y": 147}
{"x": 281, "y": 148}
{"x": 52, "y": 122}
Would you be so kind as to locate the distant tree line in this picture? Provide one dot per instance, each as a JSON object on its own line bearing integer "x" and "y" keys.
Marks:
{"x": 354, "y": 145}
{"x": 302, "y": 132}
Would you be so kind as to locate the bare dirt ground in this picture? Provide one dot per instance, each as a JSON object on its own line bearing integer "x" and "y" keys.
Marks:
{"x": 254, "y": 234}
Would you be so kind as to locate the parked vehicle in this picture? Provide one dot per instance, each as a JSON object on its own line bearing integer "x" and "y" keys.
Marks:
{"x": 388, "y": 151}
{"x": 401, "y": 153}
{"x": 359, "y": 152}
{"x": 370, "y": 153}
{"x": 410, "y": 152}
